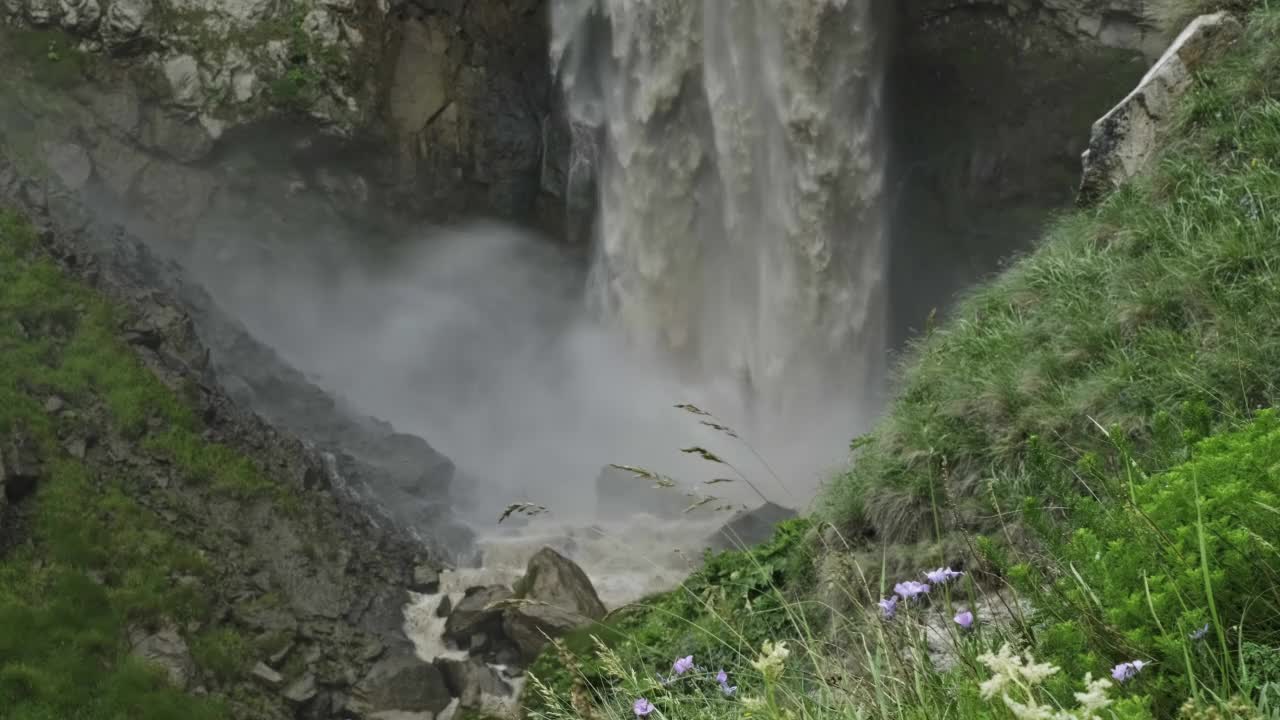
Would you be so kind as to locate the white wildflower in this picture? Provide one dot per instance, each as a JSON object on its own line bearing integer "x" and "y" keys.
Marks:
{"x": 1094, "y": 697}
{"x": 771, "y": 659}
{"x": 1020, "y": 675}
{"x": 1030, "y": 711}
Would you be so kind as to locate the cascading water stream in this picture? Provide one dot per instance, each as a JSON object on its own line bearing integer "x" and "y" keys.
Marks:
{"x": 740, "y": 169}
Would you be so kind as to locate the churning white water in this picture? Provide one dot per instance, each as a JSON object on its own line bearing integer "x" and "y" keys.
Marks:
{"x": 740, "y": 170}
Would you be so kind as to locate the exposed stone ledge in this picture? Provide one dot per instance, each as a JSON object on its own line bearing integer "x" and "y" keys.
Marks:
{"x": 1124, "y": 142}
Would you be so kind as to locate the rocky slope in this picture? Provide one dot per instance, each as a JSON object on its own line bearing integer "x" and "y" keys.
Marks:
{"x": 225, "y": 550}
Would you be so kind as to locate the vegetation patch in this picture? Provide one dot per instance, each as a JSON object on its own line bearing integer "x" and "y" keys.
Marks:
{"x": 86, "y": 561}
{"x": 1160, "y": 297}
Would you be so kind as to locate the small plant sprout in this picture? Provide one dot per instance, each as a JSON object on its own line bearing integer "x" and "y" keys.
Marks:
{"x": 527, "y": 509}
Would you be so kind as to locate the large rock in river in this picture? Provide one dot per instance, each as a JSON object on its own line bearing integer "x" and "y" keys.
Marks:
{"x": 528, "y": 625}
{"x": 750, "y": 527}
{"x": 477, "y": 613}
{"x": 556, "y": 580}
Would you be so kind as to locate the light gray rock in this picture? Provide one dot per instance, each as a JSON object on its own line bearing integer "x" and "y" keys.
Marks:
{"x": 80, "y": 16}
{"x": 70, "y": 163}
{"x": 556, "y": 580}
{"x": 302, "y": 691}
{"x": 165, "y": 649}
{"x": 1123, "y": 142}
{"x": 183, "y": 74}
{"x": 263, "y": 672}
{"x": 125, "y": 20}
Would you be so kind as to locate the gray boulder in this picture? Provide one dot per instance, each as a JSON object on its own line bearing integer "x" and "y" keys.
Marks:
{"x": 401, "y": 683}
{"x": 750, "y": 527}
{"x": 471, "y": 681}
{"x": 1123, "y": 142}
{"x": 556, "y": 580}
{"x": 301, "y": 691}
{"x": 476, "y": 614}
{"x": 529, "y": 625}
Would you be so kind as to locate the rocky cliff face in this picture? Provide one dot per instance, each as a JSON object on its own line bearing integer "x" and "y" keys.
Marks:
{"x": 992, "y": 103}
{"x": 439, "y": 107}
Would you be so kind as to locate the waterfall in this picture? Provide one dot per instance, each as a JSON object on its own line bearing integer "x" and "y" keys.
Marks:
{"x": 740, "y": 168}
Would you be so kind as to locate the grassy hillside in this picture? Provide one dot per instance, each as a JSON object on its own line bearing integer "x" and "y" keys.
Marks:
{"x": 1089, "y": 433}
{"x": 82, "y": 559}
{"x": 1157, "y": 307}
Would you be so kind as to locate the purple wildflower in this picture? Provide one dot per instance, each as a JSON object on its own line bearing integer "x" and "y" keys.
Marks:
{"x": 683, "y": 665}
{"x": 942, "y": 576}
{"x": 964, "y": 619}
{"x": 642, "y": 707}
{"x": 723, "y": 678}
{"x": 1126, "y": 671}
{"x": 910, "y": 589}
{"x": 889, "y": 606}
{"x": 1199, "y": 634}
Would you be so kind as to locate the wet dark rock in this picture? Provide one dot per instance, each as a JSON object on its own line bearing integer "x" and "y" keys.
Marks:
{"x": 529, "y": 625}
{"x": 475, "y": 614}
{"x": 556, "y": 580}
{"x": 401, "y": 683}
{"x": 445, "y": 607}
{"x": 750, "y": 527}
{"x": 426, "y": 579}
{"x": 471, "y": 680}
{"x": 20, "y": 468}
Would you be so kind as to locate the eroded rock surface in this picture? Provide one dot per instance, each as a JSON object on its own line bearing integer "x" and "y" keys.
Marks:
{"x": 1125, "y": 140}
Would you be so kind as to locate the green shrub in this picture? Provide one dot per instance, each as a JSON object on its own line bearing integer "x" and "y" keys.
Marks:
{"x": 1181, "y": 569}
{"x": 224, "y": 652}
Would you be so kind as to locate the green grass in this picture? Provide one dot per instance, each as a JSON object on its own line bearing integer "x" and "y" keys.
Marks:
{"x": 93, "y": 561}
{"x": 1161, "y": 298}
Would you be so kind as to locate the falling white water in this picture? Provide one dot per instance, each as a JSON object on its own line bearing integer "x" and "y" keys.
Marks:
{"x": 740, "y": 173}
